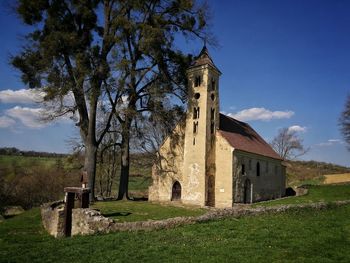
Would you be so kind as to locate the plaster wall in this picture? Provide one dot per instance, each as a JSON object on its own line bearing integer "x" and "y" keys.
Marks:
{"x": 270, "y": 184}
{"x": 223, "y": 173}
{"x": 169, "y": 167}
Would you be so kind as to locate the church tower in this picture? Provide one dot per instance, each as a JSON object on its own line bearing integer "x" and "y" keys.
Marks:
{"x": 202, "y": 121}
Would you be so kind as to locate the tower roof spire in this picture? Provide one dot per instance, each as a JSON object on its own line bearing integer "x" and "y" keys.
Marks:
{"x": 203, "y": 58}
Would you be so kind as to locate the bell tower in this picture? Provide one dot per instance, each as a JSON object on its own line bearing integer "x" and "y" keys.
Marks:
{"x": 202, "y": 121}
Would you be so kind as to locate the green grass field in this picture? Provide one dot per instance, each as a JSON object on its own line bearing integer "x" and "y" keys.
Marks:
{"x": 317, "y": 193}
{"x": 126, "y": 211}
{"x": 294, "y": 236}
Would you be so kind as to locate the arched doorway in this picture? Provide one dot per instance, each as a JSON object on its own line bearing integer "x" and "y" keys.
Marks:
{"x": 176, "y": 192}
{"x": 247, "y": 191}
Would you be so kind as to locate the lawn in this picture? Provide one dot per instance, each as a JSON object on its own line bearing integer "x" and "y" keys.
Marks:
{"x": 317, "y": 193}
{"x": 126, "y": 211}
{"x": 294, "y": 236}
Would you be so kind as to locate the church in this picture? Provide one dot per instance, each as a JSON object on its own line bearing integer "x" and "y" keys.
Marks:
{"x": 211, "y": 159}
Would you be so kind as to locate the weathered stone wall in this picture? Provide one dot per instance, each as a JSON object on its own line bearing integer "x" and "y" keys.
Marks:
{"x": 168, "y": 169}
{"x": 223, "y": 173}
{"x": 87, "y": 221}
{"x": 270, "y": 184}
{"x": 52, "y": 215}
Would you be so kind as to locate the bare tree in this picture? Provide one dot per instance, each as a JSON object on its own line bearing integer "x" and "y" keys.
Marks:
{"x": 288, "y": 144}
{"x": 344, "y": 122}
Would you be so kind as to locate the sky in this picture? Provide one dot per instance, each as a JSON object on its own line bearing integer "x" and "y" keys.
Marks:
{"x": 283, "y": 63}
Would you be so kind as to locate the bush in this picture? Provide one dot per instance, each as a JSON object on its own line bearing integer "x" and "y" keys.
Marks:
{"x": 34, "y": 185}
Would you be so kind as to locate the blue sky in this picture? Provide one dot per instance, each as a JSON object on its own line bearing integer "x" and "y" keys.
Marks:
{"x": 284, "y": 64}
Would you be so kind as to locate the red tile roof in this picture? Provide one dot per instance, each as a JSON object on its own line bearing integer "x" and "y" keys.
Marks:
{"x": 242, "y": 137}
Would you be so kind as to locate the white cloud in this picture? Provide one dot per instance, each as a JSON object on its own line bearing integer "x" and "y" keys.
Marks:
{"x": 330, "y": 142}
{"x": 30, "y": 117}
{"x": 297, "y": 128}
{"x": 6, "y": 122}
{"x": 22, "y": 96}
{"x": 261, "y": 114}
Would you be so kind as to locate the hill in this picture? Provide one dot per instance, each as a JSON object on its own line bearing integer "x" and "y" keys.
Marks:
{"x": 311, "y": 172}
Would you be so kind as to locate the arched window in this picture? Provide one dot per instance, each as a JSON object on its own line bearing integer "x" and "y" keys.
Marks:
{"x": 257, "y": 169}
{"x": 213, "y": 84}
{"x": 176, "y": 191}
{"x": 197, "y": 81}
{"x": 196, "y": 113}
{"x": 195, "y": 127}
{"x": 243, "y": 169}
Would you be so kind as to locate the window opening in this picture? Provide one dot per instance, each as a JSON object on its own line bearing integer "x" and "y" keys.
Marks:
{"x": 195, "y": 126}
{"x": 213, "y": 84}
{"x": 257, "y": 169}
{"x": 197, "y": 81}
{"x": 196, "y": 113}
{"x": 197, "y": 96}
{"x": 243, "y": 169}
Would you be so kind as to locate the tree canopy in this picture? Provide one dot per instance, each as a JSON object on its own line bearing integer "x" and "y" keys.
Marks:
{"x": 344, "y": 122}
{"x": 118, "y": 59}
{"x": 288, "y": 144}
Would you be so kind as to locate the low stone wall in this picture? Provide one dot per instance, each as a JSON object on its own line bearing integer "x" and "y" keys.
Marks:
{"x": 52, "y": 215}
{"x": 88, "y": 221}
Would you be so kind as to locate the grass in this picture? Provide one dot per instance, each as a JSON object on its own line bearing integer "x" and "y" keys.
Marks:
{"x": 317, "y": 193}
{"x": 294, "y": 236}
{"x": 126, "y": 211}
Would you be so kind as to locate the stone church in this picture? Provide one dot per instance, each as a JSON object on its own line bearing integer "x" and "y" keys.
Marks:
{"x": 211, "y": 159}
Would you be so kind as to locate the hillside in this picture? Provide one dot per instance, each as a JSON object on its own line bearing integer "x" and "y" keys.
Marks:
{"x": 11, "y": 161}
{"x": 311, "y": 172}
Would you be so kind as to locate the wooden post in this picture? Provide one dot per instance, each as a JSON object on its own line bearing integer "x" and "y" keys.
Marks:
{"x": 68, "y": 214}
{"x": 70, "y": 196}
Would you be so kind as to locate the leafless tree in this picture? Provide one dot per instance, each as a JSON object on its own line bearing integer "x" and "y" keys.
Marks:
{"x": 344, "y": 122}
{"x": 288, "y": 144}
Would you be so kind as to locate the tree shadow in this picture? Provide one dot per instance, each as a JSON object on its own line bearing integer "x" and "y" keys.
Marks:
{"x": 138, "y": 199}
{"x": 117, "y": 214}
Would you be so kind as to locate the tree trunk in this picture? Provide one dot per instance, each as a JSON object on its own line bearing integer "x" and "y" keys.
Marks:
{"x": 90, "y": 166}
{"x": 124, "y": 170}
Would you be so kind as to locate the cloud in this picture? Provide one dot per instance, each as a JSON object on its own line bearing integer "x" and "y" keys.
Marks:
{"x": 262, "y": 114}
{"x": 6, "y": 122}
{"x": 29, "y": 117}
{"x": 330, "y": 142}
{"x": 22, "y": 96}
{"x": 297, "y": 128}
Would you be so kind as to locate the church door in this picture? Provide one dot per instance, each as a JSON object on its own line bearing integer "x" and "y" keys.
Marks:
{"x": 247, "y": 191}
{"x": 211, "y": 191}
{"x": 176, "y": 192}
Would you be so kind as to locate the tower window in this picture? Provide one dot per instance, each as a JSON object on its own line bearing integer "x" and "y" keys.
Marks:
{"x": 212, "y": 97}
{"x": 257, "y": 169}
{"x": 196, "y": 113}
{"x": 195, "y": 127}
{"x": 243, "y": 169}
{"x": 212, "y": 127}
{"x": 213, "y": 84}
{"x": 197, "y": 81}
{"x": 212, "y": 115}
{"x": 194, "y": 140}
{"x": 250, "y": 164}
{"x": 197, "y": 96}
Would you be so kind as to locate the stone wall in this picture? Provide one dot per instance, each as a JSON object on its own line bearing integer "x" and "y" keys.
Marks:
{"x": 87, "y": 221}
{"x": 52, "y": 215}
{"x": 268, "y": 184}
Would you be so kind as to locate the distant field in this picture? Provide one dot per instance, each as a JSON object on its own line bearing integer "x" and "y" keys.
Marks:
{"x": 336, "y": 178}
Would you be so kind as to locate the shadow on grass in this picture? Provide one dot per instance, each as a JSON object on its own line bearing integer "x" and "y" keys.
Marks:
{"x": 117, "y": 214}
